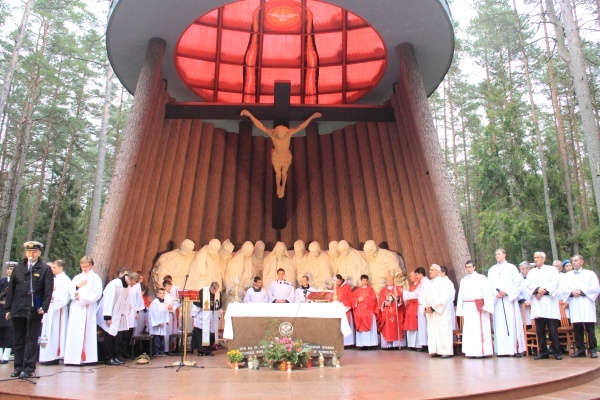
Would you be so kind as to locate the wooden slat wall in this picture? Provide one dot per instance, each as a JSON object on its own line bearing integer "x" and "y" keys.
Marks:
{"x": 363, "y": 182}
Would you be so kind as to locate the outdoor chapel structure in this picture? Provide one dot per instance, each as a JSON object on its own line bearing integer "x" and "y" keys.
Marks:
{"x": 191, "y": 167}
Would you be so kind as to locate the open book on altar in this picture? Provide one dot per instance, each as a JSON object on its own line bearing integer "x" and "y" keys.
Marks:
{"x": 323, "y": 296}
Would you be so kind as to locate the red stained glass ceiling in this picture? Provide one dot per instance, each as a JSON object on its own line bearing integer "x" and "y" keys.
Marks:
{"x": 235, "y": 53}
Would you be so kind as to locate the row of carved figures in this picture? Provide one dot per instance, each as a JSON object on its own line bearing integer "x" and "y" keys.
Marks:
{"x": 218, "y": 262}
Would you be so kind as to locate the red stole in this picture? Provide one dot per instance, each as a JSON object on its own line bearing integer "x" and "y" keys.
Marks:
{"x": 364, "y": 311}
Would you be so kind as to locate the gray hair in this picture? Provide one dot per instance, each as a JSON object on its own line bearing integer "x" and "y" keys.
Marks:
{"x": 540, "y": 253}
{"x": 579, "y": 256}
{"x": 214, "y": 285}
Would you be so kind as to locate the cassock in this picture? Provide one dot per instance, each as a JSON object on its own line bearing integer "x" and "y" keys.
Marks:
{"x": 302, "y": 292}
{"x": 391, "y": 316}
{"x": 439, "y": 322}
{"x": 508, "y": 340}
{"x": 281, "y": 290}
{"x": 344, "y": 294}
{"x": 137, "y": 306}
{"x": 256, "y": 295}
{"x": 411, "y": 324}
{"x": 81, "y": 345}
{"x": 364, "y": 316}
{"x": 114, "y": 306}
{"x": 422, "y": 319}
{"x": 475, "y": 304}
{"x": 206, "y": 321}
{"x": 54, "y": 324}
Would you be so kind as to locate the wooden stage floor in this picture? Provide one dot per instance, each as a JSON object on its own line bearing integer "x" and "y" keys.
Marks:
{"x": 363, "y": 375}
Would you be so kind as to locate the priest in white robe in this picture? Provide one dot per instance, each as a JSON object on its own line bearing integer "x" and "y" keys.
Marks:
{"x": 584, "y": 290}
{"x": 279, "y": 258}
{"x": 424, "y": 283}
{"x": 280, "y": 290}
{"x": 542, "y": 287}
{"x": 206, "y": 315}
{"x": 54, "y": 324}
{"x": 475, "y": 303}
{"x": 257, "y": 293}
{"x": 505, "y": 283}
{"x": 112, "y": 314}
{"x": 303, "y": 291}
{"x": 439, "y": 317}
{"x": 85, "y": 290}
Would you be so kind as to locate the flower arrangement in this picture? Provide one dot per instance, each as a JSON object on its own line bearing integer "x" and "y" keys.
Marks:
{"x": 235, "y": 356}
{"x": 285, "y": 349}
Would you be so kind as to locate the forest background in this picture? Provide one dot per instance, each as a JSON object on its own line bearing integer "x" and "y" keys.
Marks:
{"x": 516, "y": 130}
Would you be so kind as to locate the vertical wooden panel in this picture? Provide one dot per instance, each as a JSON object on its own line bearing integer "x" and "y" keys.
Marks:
{"x": 370, "y": 184}
{"x": 228, "y": 189}
{"x": 346, "y": 201}
{"x": 315, "y": 184}
{"x": 148, "y": 92}
{"x": 155, "y": 210}
{"x": 409, "y": 195}
{"x": 396, "y": 193}
{"x": 196, "y": 219}
{"x": 135, "y": 203}
{"x": 302, "y": 218}
{"x": 257, "y": 190}
{"x": 167, "y": 234}
{"x": 187, "y": 185}
{"x": 213, "y": 189}
{"x": 383, "y": 186}
{"x": 361, "y": 211}
{"x": 242, "y": 185}
{"x": 330, "y": 191}
{"x": 287, "y": 234}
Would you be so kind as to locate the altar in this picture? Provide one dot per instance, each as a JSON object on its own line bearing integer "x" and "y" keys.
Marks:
{"x": 321, "y": 325}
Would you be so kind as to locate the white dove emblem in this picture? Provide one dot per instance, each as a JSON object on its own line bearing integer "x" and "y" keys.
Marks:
{"x": 282, "y": 17}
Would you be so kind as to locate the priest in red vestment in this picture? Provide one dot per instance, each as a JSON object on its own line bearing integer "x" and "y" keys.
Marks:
{"x": 411, "y": 302}
{"x": 364, "y": 304}
{"x": 344, "y": 294}
{"x": 391, "y": 315}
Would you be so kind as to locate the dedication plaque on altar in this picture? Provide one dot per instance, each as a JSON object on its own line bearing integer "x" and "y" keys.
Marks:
{"x": 318, "y": 324}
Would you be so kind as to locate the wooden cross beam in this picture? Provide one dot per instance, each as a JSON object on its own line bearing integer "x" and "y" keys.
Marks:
{"x": 281, "y": 113}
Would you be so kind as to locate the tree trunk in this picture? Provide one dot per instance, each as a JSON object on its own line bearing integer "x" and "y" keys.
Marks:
{"x": 573, "y": 56}
{"x": 12, "y": 65}
{"x": 16, "y": 193}
{"x": 561, "y": 138}
{"x": 536, "y": 127}
{"x": 453, "y": 133}
{"x": 99, "y": 180}
{"x": 63, "y": 176}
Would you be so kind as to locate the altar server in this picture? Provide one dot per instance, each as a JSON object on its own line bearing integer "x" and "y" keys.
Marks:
{"x": 112, "y": 314}
{"x": 584, "y": 289}
{"x": 475, "y": 304}
{"x": 280, "y": 290}
{"x": 54, "y": 325}
{"x": 303, "y": 291}
{"x": 257, "y": 293}
{"x": 158, "y": 320}
{"x": 85, "y": 290}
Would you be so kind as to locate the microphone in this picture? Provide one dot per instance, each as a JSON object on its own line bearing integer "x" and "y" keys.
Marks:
{"x": 187, "y": 276}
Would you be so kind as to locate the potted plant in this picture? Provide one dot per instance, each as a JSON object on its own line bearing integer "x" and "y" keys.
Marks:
{"x": 234, "y": 358}
{"x": 284, "y": 350}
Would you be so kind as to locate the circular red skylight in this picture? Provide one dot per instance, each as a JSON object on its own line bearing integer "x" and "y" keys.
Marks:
{"x": 235, "y": 53}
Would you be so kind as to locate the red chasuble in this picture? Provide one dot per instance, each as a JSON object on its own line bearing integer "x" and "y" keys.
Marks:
{"x": 412, "y": 309}
{"x": 363, "y": 311}
{"x": 391, "y": 318}
{"x": 344, "y": 293}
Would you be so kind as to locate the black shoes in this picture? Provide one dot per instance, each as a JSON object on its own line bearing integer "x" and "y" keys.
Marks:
{"x": 26, "y": 375}
{"x": 593, "y": 354}
{"x": 112, "y": 361}
{"x": 119, "y": 360}
{"x": 578, "y": 353}
{"x": 517, "y": 355}
{"x": 542, "y": 357}
{"x": 16, "y": 373}
{"x": 446, "y": 356}
{"x": 558, "y": 357}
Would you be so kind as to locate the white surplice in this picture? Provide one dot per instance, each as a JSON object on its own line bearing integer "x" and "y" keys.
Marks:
{"x": 583, "y": 308}
{"x": 114, "y": 304}
{"x": 81, "y": 329}
{"x": 54, "y": 324}
{"x": 477, "y": 334}
{"x": 158, "y": 314}
{"x": 439, "y": 322}
{"x": 509, "y": 338}
{"x": 545, "y": 277}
